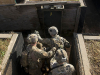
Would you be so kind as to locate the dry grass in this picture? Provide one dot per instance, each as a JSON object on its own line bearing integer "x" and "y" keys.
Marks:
{"x": 93, "y": 51}
{"x": 3, "y": 47}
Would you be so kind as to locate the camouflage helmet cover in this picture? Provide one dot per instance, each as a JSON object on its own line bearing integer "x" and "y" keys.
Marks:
{"x": 53, "y": 30}
{"x": 32, "y": 38}
{"x": 59, "y": 55}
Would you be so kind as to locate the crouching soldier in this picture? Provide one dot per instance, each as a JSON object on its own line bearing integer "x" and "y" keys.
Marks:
{"x": 34, "y": 56}
{"x": 53, "y": 31}
{"x": 59, "y": 65}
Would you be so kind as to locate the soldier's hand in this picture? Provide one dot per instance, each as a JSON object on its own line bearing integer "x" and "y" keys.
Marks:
{"x": 39, "y": 37}
{"x": 54, "y": 49}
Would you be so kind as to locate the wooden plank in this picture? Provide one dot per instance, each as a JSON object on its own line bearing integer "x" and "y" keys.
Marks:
{"x": 40, "y": 13}
{"x": 69, "y": 15}
{"x": 83, "y": 52}
{"x": 72, "y": 4}
{"x": 9, "y": 51}
{"x": 22, "y": 18}
{"x": 5, "y": 36}
{"x": 82, "y": 18}
{"x": 68, "y": 19}
{"x": 68, "y": 25}
{"x": 69, "y": 12}
{"x": 77, "y": 19}
{"x": 41, "y": 21}
{"x": 42, "y": 3}
{"x": 92, "y": 37}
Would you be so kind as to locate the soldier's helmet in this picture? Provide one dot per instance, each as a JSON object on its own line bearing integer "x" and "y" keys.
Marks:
{"x": 53, "y": 30}
{"x": 32, "y": 38}
{"x": 61, "y": 56}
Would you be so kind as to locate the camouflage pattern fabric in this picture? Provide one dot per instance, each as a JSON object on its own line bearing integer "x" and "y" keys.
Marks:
{"x": 66, "y": 69}
{"x": 35, "y": 59}
{"x": 32, "y": 38}
{"x": 23, "y": 60}
{"x": 57, "y": 39}
{"x": 39, "y": 45}
{"x": 60, "y": 53}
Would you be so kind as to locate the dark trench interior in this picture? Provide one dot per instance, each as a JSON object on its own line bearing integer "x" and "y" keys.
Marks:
{"x": 17, "y": 69}
{"x": 19, "y": 1}
{"x": 20, "y": 69}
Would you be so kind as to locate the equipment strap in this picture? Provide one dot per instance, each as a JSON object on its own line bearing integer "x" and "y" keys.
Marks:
{"x": 56, "y": 67}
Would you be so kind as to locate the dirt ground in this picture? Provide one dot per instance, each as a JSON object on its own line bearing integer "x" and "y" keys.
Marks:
{"x": 93, "y": 51}
{"x": 92, "y": 18}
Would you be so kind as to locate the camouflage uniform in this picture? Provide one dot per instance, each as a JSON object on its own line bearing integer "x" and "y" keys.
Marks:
{"x": 63, "y": 67}
{"x": 35, "y": 55}
{"x": 55, "y": 39}
{"x": 35, "y": 59}
{"x": 66, "y": 69}
{"x": 51, "y": 42}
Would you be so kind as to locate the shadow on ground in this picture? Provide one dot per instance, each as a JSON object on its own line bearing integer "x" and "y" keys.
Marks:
{"x": 92, "y": 18}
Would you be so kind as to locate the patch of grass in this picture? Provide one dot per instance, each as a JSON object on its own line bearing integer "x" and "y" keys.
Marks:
{"x": 93, "y": 51}
{"x": 3, "y": 47}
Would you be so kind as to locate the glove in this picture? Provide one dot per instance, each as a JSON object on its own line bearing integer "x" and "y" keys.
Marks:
{"x": 54, "y": 49}
{"x": 38, "y": 35}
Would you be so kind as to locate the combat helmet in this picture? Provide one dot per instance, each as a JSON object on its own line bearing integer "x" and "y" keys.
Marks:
{"x": 53, "y": 31}
{"x": 61, "y": 56}
{"x": 32, "y": 38}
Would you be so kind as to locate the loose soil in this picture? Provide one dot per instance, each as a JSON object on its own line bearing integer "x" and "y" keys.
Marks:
{"x": 3, "y": 47}
{"x": 93, "y": 52}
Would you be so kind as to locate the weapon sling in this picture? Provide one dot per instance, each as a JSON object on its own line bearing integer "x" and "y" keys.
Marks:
{"x": 56, "y": 67}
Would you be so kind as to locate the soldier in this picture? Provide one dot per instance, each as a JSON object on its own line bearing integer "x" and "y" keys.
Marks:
{"x": 53, "y": 31}
{"x": 56, "y": 39}
{"x": 35, "y": 55}
{"x": 59, "y": 65}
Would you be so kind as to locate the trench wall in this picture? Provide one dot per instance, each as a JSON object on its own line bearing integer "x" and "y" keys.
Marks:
{"x": 18, "y": 18}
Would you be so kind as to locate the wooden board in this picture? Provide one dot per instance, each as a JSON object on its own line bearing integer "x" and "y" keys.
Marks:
{"x": 77, "y": 19}
{"x": 83, "y": 54}
{"x": 92, "y": 37}
{"x": 79, "y": 57}
{"x": 10, "y": 64}
{"x": 8, "y": 52}
{"x": 69, "y": 15}
{"x": 18, "y": 18}
{"x": 68, "y": 25}
{"x": 5, "y": 35}
{"x": 70, "y": 12}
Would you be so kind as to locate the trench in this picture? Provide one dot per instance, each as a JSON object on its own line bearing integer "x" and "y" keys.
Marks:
{"x": 25, "y": 34}
{"x": 18, "y": 69}
{"x": 19, "y": 1}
